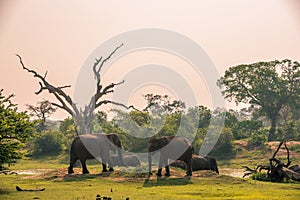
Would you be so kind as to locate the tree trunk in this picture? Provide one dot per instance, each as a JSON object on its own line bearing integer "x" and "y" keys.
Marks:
{"x": 272, "y": 129}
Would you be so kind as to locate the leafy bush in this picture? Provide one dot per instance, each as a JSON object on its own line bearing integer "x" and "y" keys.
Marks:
{"x": 260, "y": 176}
{"x": 224, "y": 146}
{"x": 15, "y": 130}
{"x": 49, "y": 142}
{"x": 246, "y": 128}
{"x": 259, "y": 137}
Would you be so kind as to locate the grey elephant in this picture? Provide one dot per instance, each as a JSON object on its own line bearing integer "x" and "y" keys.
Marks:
{"x": 170, "y": 147}
{"x": 199, "y": 163}
{"x": 204, "y": 163}
{"x": 91, "y": 146}
{"x": 129, "y": 160}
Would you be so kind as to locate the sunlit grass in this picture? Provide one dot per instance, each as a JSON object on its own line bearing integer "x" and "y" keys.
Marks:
{"x": 88, "y": 186}
{"x": 134, "y": 184}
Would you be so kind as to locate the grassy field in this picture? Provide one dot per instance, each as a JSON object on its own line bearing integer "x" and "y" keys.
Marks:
{"x": 51, "y": 173}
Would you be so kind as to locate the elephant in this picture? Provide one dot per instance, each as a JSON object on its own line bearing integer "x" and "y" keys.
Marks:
{"x": 204, "y": 163}
{"x": 199, "y": 163}
{"x": 170, "y": 147}
{"x": 91, "y": 146}
{"x": 129, "y": 160}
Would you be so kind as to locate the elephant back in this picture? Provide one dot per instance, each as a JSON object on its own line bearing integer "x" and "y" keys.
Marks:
{"x": 131, "y": 160}
{"x": 96, "y": 144}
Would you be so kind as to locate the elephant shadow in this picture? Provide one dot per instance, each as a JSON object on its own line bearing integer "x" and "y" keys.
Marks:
{"x": 83, "y": 177}
{"x": 166, "y": 181}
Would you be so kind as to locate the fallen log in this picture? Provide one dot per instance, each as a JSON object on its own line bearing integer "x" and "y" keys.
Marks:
{"x": 292, "y": 174}
{"x": 277, "y": 171}
{"x": 29, "y": 190}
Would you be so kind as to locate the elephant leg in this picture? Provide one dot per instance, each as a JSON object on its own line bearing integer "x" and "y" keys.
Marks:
{"x": 73, "y": 160}
{"x": 84, "y": 168}
{"x": 189, "y": 167}
{"x": 216, "y": 169}
{"x": 160, "y": 165}
{"x": 159, "y": 172}
{"x": 167, "y": 171}
{"x": 110, "y": 164}
{"x": 104, "y": 167}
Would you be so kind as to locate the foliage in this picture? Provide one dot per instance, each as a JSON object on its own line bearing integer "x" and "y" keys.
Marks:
{"x": 162, "y": 104}
{"x": 246, "y": 129}
{"x": 268, "y": 85}
{"x": 290, "y": 131}
{"x": 15, "y": 129}
{"x": 202, "y": 113}
{"x": 259, "y": 137}
{"x": 141, "y": 118}
{"x": 260, "y": 176}
{"x": 42, "y": 111}
{"x": 230, "y": 119}
{"x": 224, "y": 145}
{"x": 67, "y": 128}
{"x": 49, "y": 142}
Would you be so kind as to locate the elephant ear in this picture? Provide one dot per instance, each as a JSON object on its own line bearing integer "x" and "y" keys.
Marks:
{"x": 112, "y": 137}
{"x": 163, "y": 141}
{"x": 152, "y": 139}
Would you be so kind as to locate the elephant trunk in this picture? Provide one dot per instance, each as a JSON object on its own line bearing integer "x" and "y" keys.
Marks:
{"x": 121, "y": 158}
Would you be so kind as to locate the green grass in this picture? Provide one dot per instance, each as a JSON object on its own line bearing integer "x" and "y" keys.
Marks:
{"x": 88, "y": 186}
{"x": 202, "y": 185}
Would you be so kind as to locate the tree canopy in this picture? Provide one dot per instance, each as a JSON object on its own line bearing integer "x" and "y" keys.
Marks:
{"x": 42, "y": 111}
{"x": 267, "y": 85}
{"x": 15, "y": 129}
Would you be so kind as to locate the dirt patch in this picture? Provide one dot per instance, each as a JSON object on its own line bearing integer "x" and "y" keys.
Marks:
{"x": 282, "y": 150}
{"x": 32, "y": 171}
{"x": 238, "y": 173}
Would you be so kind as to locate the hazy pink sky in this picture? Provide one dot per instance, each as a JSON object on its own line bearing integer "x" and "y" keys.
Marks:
{"x": 58, "y": 35}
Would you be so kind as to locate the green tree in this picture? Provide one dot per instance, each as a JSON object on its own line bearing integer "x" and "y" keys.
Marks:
{"x": 246, "y": 128}
{"x": 162, "y": 104}
{"x": 67, "y": 128}
{"x": 49, "y": 142}
{"x": 202, "y": 113}
{"x": 224, "y": 145}
{"x": 267, "y": 85}
{"x": 15, "y": 130}
{"x": 42, "y": 111}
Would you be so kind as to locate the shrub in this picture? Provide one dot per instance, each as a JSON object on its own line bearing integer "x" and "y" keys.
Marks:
{"x": 224, "y": 146}
{"x": 49, "y": 142}
{"x": 260, "y": 176}
{"x": 259, "y": 137}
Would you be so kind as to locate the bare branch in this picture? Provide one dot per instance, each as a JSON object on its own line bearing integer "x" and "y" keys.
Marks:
{"x": 280, "y": 144}
{"x": 114, "y": 103}
{"x": 108, "y": 57}
{"x": 45, "y": 74}
{"x": 56, "y": 91}
{"x": 96, "y": 71}
{"x": 83, "y": 117}
{"x": 288, "y": 155}
{"x": 110, "y": 86}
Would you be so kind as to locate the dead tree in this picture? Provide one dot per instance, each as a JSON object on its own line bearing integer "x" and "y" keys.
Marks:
{"x": 82, "y": 117}
{"x": 276, "y": 169}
